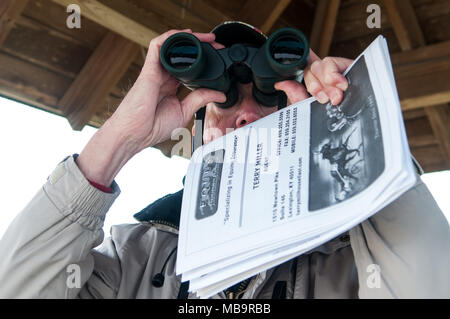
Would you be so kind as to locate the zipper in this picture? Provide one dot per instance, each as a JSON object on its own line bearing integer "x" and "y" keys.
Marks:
{"x": 163, "y": 222}
{"x": 243, "y": 287}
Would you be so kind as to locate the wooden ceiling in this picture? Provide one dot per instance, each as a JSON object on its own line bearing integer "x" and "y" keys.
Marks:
{"x": 82, "y": 74}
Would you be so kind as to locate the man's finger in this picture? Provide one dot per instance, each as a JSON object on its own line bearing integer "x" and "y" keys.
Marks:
{"x": 205, "y": 37}
{"x": 331, "y": 75}
{"x": 294, "y": 90}
{"x": 314, "y": 87}
{"x": 333, "y": 83}
{"x": 313, "y": 57}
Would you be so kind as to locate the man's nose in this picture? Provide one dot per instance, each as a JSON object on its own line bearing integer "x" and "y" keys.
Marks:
{"x": 249, "y": 111}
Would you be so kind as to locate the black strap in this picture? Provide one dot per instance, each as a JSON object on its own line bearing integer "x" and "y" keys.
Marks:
{"x": 279, "y": 290}
{"x": 183, "y": 293}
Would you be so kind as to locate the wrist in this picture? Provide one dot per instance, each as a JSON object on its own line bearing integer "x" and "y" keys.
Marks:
{"x": 105, "y": 154}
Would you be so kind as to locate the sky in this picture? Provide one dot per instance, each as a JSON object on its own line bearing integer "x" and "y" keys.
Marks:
{"x": 33, "y": 142}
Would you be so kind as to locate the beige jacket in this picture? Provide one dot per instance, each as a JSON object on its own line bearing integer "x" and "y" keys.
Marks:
{"x": 402, "y": 251}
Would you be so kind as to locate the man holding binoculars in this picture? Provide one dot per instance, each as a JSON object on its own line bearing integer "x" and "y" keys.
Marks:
{"x": 63, "y": 223}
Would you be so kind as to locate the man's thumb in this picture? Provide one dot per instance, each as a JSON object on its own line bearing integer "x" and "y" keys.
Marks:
{"x": 199, "y": 98}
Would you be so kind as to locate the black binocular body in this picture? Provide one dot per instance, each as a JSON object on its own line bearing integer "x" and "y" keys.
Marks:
{"x": 196, "y": 64}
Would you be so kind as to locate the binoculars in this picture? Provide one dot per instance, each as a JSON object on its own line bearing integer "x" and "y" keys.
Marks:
{"x": 196, "y": 64}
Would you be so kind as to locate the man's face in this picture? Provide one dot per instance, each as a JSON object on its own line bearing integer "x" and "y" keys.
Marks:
{"x": 219, "y": 121}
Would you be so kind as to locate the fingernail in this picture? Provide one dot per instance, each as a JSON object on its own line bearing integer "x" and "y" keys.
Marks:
{"x": 322, "y": 97}
{"x": 334, "y": 98}
{"x": 342, "y": 86}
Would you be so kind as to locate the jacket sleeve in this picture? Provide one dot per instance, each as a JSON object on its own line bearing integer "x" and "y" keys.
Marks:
{"x": 403, "y": 251}
{"x": 47, "y": 251}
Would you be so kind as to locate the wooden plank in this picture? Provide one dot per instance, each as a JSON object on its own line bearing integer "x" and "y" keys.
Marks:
{"x": 437, "y": 29}
{"x": 28, "y": 82}
{"x": 413, "y": 114}
{"x": 10, "y": 10}
{"x": 423, "y": 85}
{"x": 440, "y": 123}
{"x": 43, "y": 46}
{"x": 324, "y": 25}
{"x": 126, "y": 81}
{"x": 404, "y": 21}
{"x": 437, "y": 167}
{"x": 206, "y": 10}
{"x": 430, "y": 158}
{"x": 100, "y": 74}
{"x": 113, "y": 20}
{"x": 298, "y": 15}
{"x": 352, "y": 48}
{"x": 53, "y": 16}
{"x": 107, "y": 108}
{"x": 422, "y": 76}
{"x": 352, "y": 19}
{"x": 417, "y": 127}
{"x": 422, "y": 140}
{"x": 231, "y": 8}
{"x": 161, "y": 16}
{"x": 429, "y": 52}
{"x": 263, "y": 16}
{"x": 410, "y": 35}
{"x": 168, "y": 14}
{"x": 433, "y": 16}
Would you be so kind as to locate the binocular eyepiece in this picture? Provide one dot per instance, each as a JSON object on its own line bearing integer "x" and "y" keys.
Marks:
{"x": 198, "y": 65}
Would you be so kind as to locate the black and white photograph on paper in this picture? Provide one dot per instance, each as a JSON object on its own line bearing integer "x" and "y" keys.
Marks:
{"x": 346, "y": 153}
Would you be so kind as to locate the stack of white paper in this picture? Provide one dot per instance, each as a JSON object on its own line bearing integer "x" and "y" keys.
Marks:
{"x": 293, "y": 180}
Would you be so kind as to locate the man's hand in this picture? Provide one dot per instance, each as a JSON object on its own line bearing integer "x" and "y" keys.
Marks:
{"x": 147, "y": 115}
{"x": 323, "y": 79}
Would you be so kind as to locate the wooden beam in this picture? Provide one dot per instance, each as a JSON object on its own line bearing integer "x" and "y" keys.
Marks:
{"x": 440, "y": 123}
{"x": 404, "y": 21}
{"x": 99, "y": 75}
{"x": 422, "y": 76}
{"x": 323, "y": 26}
{"x": 22, "y": 79}
{"x": 409, "y": 34}
{"x": 413, "y": 114}
{"x": 422, "y": 140}
{"x": 203, "y": 9}
{"x": 423, "y": 84}
{"x": 429, "y": 52}
{"x": 10, "y": 11}
{"x": 113, "y": 20}
{"x": 161, "y": 16}
{"x": 430, "y": 158}
{"x": 263, "y": 15}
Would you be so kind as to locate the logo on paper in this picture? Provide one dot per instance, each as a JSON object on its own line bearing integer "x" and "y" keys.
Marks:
{"x": 208, "y": 190}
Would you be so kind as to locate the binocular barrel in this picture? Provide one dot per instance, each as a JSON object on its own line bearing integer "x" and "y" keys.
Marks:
{"x": 182, "y": 56}
{"x": 287, "y": 49}
{"x": 282, "y": 57}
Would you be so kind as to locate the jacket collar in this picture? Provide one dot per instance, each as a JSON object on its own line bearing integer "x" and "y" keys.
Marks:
{"x": 165, "y": 211}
